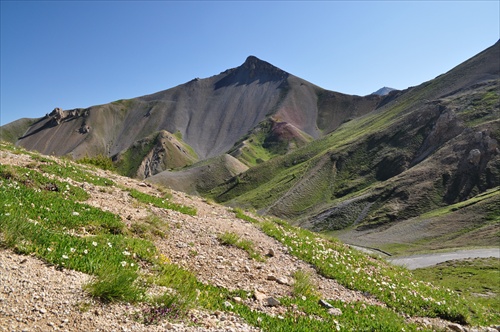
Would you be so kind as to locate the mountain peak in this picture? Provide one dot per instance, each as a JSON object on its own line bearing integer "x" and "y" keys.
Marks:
{"x": 253, "y": 69}
{"x": 252, "y": 59}
{"x": 254, "y": 63}
{"x": 383, "y": 91}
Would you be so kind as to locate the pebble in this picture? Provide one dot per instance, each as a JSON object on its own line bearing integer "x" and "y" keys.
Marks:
{"x": 272, "y": 302}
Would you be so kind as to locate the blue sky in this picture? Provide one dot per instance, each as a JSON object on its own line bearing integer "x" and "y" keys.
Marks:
{"x": 79, "y": 54}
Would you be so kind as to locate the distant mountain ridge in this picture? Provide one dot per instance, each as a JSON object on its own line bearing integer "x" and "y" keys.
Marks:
{"x": 383, "y": 91}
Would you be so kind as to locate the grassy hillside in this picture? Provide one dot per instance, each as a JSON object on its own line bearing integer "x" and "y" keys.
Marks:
{"x": 46, "y": 212}
{"x": 11, "y": 132}
{"x": 474, "y": 279}
{"x": 268, "y": 140}
{"x": 119, "y": 254}
{"x": 156, "y": 153}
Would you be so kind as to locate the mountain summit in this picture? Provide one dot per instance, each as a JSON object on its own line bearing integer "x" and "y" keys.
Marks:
{"x": 383, "y": 91}
{"x": 252, "y": 70}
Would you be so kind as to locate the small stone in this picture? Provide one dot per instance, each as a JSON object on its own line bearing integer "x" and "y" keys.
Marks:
{"x": 75, "y": 213}
{"x": 325, "y": 304}
{"x": 455, "y": 327}
{"x": 335, "y": 311}
{"x": 142, "y": 184}
{"x": 259, "y": 296}
{"x": 270, "y": 252}
{"x": 272, "y": 302}
{"x": 42, "y": 311}
{"x": 282, "y": 281}
{"x": 228, "y": 304}
{"x": 210, "y": 322}
{"x": 168, "y": 325}
{"x": 271, "y": 277}
{"x": 237, "y": 299}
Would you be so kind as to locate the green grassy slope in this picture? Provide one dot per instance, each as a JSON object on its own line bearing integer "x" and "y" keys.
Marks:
{"x": 12, "y": 131}
{"x": 59, "y": 227}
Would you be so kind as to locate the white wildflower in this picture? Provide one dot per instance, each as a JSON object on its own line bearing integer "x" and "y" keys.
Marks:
{"x": 94, "y": 244}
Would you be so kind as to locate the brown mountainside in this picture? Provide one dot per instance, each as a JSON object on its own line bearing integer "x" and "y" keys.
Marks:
{"x": 210, "y": 115}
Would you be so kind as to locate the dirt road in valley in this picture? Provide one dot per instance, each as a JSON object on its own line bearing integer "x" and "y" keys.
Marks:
{"x": 419, "y": 261}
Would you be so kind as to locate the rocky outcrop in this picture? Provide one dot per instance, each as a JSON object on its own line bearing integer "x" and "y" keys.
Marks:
{"x": 57, "y": 116}
{"x": 167, "y": 153}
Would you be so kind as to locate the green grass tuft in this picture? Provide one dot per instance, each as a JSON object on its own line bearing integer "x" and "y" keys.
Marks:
{"x": 233, "y": 239}
{"x": 161, "y": 202}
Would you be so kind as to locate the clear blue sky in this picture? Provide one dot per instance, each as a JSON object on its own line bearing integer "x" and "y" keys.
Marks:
{"x": 79, "y": 54}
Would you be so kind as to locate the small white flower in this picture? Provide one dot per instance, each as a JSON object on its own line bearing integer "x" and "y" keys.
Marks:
{"x": 132, "y": 264}
{"x": 85, "y": 251}
{"x": 94, "y": 244}
{"x": 48, "y": 249}
{"x": 110, "y": 245}
{"x": 123, "y": 263}
{"x": 72, "y": 249}
{"x": 65, "y": 257}
{"x": 126, "y": 253}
